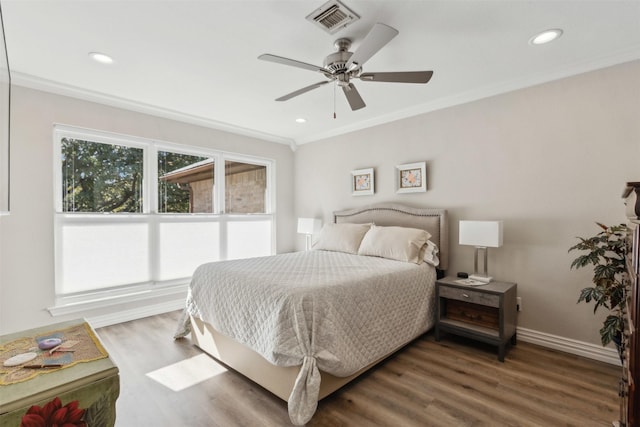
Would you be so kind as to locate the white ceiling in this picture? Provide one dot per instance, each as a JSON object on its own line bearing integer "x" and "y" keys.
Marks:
{"x": 197, "y": 60}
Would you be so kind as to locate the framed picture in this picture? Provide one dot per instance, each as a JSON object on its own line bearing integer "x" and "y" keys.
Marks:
{"x": 362, "y": 182}
{"x": 411, "y": 178}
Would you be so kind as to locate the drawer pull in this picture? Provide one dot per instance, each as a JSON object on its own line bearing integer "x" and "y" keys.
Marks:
{"x": 465, "y": 295}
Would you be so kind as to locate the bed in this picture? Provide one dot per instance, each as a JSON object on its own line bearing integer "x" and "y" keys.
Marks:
{"x": 313, "y": 321}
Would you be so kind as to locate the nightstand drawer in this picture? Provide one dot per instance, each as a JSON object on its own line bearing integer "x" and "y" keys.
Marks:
{"x": 470, "y": 295}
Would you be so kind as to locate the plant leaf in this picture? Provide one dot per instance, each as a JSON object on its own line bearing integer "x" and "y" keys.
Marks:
{"x": 612, "y": 328}
{"x": 606, "y": 252}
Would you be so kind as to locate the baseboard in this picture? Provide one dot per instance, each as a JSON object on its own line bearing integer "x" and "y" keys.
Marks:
{"x": 567, "y": 345}
{"x": 136, "y": 313}
{"x": 555, "y": 342}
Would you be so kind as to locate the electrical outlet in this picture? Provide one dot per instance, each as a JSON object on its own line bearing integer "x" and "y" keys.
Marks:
{"x": 519, "y": 303}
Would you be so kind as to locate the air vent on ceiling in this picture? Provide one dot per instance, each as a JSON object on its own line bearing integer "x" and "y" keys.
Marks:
{"x": 332, "y": 16}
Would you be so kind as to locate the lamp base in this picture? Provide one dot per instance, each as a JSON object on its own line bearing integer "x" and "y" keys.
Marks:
{"x": 483, "y": 279}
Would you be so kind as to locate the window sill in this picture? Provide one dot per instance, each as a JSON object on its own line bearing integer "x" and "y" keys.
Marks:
{"x": 107, "y": 299}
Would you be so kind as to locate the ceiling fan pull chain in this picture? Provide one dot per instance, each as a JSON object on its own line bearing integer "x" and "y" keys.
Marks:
{"x": 334, "y": 100}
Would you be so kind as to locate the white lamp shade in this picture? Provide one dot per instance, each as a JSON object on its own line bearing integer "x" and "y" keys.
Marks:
{"x": 486, "y": 234}
{"x": 308, "y": 225}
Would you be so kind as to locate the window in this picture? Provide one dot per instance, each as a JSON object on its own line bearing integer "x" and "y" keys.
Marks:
{"x": 97, "y": 177}
{"x": 134, "y": 214}
{"x": 185, "y": 183}
{"x": 246, "y": 186}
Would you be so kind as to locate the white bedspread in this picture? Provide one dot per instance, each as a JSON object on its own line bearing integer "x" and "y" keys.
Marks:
{"x": 323, "y": 310}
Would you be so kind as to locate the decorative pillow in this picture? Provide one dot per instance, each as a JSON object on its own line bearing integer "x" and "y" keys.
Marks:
{"x": 399, "y": 243}
{"x": 343, "y": 237}
{"x": 431, "y": 254}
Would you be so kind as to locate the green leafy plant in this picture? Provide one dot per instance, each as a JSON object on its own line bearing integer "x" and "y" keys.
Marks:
{"x": 607, "y": 253}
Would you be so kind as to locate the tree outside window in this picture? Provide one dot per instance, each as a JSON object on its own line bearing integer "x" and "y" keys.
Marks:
{"x": 102, "y": 178}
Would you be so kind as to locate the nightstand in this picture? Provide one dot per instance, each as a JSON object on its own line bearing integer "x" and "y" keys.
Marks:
{"x": 486, "y": 313}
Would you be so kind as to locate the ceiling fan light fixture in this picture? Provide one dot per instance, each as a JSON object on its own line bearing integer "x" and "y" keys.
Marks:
{"x": 101, "y": 57}
{"x": 547, "y": 36}
{"x": 342, "y": 66}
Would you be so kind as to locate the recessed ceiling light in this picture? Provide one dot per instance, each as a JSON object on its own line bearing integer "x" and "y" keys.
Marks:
{"x": 301, "y": 120}
{"x": 101, "y": 57}
{"x": 545, "y": 36}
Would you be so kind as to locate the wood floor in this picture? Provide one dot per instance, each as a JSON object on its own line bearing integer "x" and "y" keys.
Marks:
{"x": 453, "y": 382}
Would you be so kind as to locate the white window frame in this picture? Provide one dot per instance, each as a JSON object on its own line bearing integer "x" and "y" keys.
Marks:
{"x": 71, "y": 303}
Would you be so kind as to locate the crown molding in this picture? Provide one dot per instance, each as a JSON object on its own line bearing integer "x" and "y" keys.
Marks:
{"x": 616, "y": 58}
{"x": 620, "y": 57}
{"x": 33, "y": 82}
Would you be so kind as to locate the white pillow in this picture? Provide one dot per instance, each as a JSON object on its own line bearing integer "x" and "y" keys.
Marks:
{"x": 431, "y": 254}
{"x": 343, "y": 237}
{"x": 399, "y": 243}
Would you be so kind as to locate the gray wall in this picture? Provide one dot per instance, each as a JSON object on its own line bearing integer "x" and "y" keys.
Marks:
{"x": 26, "y": 236}
{"x": 549, "y": 160}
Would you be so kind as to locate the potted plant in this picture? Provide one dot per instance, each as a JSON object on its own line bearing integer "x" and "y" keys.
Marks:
{"x": 606, "y": 252}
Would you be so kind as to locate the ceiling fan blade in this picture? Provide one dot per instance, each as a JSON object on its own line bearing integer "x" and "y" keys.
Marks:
{"x": 301, "y": 91}
{"x": 398, "y": 77}
{"x": 291, "y": 62}
{"x": 354, "y": 98}
{"x": 379, "y": 36}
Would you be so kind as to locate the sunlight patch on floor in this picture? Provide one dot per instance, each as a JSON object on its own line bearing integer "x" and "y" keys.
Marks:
{"x": 187, "y": 373}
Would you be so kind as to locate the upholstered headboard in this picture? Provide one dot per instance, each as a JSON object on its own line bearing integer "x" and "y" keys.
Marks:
{"x": 386, "y": 214}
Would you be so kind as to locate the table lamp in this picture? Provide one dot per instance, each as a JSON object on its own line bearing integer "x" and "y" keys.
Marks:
{"x": 308, "y": 226}
{"x": 482, "y": 235}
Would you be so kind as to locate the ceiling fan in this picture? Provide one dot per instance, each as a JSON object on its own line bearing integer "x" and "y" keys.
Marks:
{"x": 342, "y": 66}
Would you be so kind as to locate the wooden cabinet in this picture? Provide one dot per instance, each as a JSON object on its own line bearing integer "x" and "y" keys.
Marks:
{"x": 92, "y": 385}
{"x": 629, "y": 393}
{"x": 485, "y": 313}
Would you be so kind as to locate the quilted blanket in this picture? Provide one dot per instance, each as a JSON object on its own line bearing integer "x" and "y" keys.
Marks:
{"x": 328, "y": 311}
